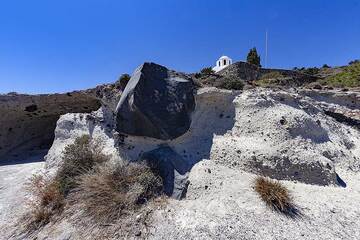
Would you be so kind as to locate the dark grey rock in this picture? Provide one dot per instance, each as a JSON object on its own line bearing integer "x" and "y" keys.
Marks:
{"x": 171, "y": 167}
{"x": 156, "y": 103}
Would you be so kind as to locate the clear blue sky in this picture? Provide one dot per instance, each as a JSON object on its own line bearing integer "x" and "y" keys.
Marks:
{"x": 56, "y": 46}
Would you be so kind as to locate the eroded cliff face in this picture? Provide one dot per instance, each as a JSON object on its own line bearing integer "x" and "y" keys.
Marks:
{"x": 235, "y": 136}
{"x": 28, "y": 121}
{"x": 280, "y": 134}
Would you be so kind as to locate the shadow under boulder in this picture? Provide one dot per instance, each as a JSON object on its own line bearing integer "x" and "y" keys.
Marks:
{"x": 171, "y": 167}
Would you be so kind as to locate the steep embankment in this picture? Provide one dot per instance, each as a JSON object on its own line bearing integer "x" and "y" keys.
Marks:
{"x": 28, "y": 121}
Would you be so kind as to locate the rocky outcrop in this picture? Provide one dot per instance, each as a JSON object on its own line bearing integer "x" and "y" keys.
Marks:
{"x": 279, "y": 134}
{"x": 342, "y": 106}
{"x": 28, "y": 121}
{"x": 156, "y": 103}
{"x": 231, "y": 138}
{"x": 97, "y": 124}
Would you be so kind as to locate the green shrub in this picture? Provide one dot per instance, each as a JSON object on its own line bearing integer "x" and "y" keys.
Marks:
{"x": 311, "y": 71}
{"x": 272, "y": 75}
{"x": 348, "y": 77}
{"x": 231, "y": 84}
{"x": 207, "y": 71}
{"x": 197, "y": 75}
{"x": 272, "y": 79}
{"x": 354, "y": 62}
{"x": 123, "y": 81}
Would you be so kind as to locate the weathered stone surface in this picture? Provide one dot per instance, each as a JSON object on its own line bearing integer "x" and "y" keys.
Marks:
{"x": 156, "y": 103}
{"x": 172, "y": 168}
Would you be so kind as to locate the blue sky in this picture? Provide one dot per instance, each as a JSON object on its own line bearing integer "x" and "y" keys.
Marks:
{"x": 56, "y": 46}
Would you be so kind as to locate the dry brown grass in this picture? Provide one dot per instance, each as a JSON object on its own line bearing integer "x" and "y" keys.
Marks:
{"x": 276, "y": 196}
{"x": 87, "y": 185}
{"x": 47, "y": 201}
{"x": 78, "y": 158}
{"x": 108, "y": 193}
{"x": 49, "y": 194}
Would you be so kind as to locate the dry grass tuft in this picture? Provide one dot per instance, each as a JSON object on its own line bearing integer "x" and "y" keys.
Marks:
{"x": 108, "y": 193}
{"x": 89, "y": 186}
{"x": 78, "y": 158}
{"x": 47, "y": 201}
{"x": 49, "y": 194}
{"x": 276, "y": 196}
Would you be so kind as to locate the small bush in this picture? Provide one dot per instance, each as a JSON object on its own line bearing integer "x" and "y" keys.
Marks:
{"x": 272, "y": 75}
{"x": 197, "y": 75}
{"x": 275, "y": 195}
{"x": 123, "y": 81}
{"x": 47, "y": 201}
{"x": 232, "y": 84}
{"x": 78, "y": 158}
{"x": 86, "y": 181}
{"x": 325, "y": 66}
{"x": 107, "y": 193}
{"x": 311, "y": 71}
{"x": 207, "y": 71}
{"x": 49, "y": 194}
{"x": 354, "y": 62}
{"x": 348, "y": 77}
{"x": 272, "y": 79}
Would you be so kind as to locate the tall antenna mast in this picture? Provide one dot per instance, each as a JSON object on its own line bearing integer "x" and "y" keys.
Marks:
{"x": 266, "y": 47}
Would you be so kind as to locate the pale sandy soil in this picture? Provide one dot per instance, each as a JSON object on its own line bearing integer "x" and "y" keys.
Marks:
{"x": 13, "y": 178}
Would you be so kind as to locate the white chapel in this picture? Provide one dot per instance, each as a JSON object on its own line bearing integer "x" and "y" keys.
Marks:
{"x": 222, "y": 63}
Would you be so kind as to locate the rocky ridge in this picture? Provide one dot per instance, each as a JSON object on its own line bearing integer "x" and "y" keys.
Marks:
{"x": 309, "y": 139}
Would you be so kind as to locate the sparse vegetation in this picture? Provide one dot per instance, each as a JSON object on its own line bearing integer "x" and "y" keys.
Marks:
{"x": 78, "y": 158}
{"x": 231, "y": 84}
{"x": 276, "y": 196}
{"x": 123, "y": 80}
{"x": 107, "y": 193}
{"x": 207, "y": 71}
{"x": 49, "y": 194}
{"x": 88, "y": 180}
{"x": 47, "y": 201}
{"x": 272, "y": 75}
{"x": 348, "y": 77}
{"x": 253, "y": 57}
{"x": 354, "y": 61}
{"x": 197, "y": 75}
{"x": 204, "y": 73}
{"x": 309, "y": 71}
{"x": 271, "y": 79}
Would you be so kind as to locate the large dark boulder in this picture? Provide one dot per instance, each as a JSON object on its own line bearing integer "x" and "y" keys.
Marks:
{"x": 156, "y": 103}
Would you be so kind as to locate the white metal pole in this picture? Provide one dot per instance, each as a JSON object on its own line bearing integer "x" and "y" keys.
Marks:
{"x": 266, "y": 48}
